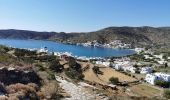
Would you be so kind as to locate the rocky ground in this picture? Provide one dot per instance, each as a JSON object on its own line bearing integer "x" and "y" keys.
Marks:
{"x": 79, "y": 91}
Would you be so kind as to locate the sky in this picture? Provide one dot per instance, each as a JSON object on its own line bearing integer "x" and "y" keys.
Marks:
{"x": 82, "y": 15}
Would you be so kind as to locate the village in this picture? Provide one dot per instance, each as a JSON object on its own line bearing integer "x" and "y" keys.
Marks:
{"x": 145, "y": 68}
{"x": 114, "y": 44}
{"x": 127, "y": 65}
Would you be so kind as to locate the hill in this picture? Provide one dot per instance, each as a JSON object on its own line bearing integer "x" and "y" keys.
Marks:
{"x": 137, "y": 36}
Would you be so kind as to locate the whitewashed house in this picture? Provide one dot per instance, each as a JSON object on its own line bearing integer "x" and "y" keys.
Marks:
{"x": 67, "y": 54}
{"x": 148, "y": 57}
{"x": 151, "y": 78}
{"x": 99, "y": 62}
{"x": 163, "y": 76}
{"x": 159, "y": 56}
{"x": 42, "y": 50}
{"x": 161, "y": 62}
{"x": 130, "y": 69}
{"x": 138, "y": 50}
{"x": 105, "y": 63}
{"x": 169, "y": 58}
{"x": 57, "y": 54}
{"x": 83, "y": 58}
{"x": 146, "y": 70}
{"x": 118, "y": 67}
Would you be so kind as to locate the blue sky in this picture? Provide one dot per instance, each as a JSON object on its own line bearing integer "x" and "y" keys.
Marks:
{"x": 82, "y": 15}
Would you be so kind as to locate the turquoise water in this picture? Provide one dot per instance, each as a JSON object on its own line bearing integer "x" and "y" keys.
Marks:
{"x": 59, "y": 47}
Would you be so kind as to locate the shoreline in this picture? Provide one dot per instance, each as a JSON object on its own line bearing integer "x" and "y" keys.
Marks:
{"x": 37, "y": 48}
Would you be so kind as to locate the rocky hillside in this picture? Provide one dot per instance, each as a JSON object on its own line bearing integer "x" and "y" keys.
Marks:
{"x": 138, "y": 36}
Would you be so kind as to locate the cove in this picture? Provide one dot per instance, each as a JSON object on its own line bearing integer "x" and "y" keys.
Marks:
{"x": 60, "y": 47}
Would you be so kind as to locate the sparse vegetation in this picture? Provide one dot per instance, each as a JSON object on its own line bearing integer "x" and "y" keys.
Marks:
{"x": 24, "y": 52}
{"x": 41, "y": 68}
{"x": 162, "y": 83}
{"x": 96, "y": 70}
{"x": 166, "y": 93}
{"x": 114, "y": 80}
{"x": 74, "y": 71}
{"x": 29, "y": 75}
{"x": 56, "y": 66}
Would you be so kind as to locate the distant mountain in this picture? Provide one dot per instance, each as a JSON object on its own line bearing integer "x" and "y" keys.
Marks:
{"x": 137, "y": 36}
{"x": 24, "y": 34}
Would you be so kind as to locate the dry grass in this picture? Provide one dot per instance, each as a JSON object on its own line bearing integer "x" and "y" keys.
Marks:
{"x": 16, "y": 91}
{"x": 146, "y": 90}
{"x": 107, "y": 73}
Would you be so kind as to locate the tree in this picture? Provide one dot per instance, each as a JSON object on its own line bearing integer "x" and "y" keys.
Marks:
{"x": 56, "y": 66}
{"x": 166, "y": 65}
{"x": 96, "y": 70}
{"x": 74, "y": 71}
{"x": 74, "y": 65}
{"x": 74, "y": 74}
{"x": 114, "y": 80}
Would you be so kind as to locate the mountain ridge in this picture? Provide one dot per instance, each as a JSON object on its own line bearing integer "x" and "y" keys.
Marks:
{"x": 137, "y": 36}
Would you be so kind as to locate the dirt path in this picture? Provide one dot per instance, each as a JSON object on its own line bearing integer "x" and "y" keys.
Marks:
{"x": 78, "y": 92}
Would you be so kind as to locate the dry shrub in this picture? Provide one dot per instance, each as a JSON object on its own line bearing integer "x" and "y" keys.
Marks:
{"x": 49, "y": 89}
{"x": 33, "y": 85}
{"x": 40, "y": 95}
{"x": 19, "y": 87}
{"x": 19, "y": 90}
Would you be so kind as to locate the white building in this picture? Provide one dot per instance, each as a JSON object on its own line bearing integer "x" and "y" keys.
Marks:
{"x": 168, "y": 57}
{"x": 43, "y": 50}
{"x": 138, "y": 50}
{"x": 83, "y": 58}
{"x": 57, "y": 54}
{"x": 163, "y": 76}
{"x": 68, "y": 54}
{"x": 105, "y": 63}
{"x": 148, "y": 57}
{"x": 130, "y": 69}
{"x": 151, "y": 78}
{"x": 159, "y": 56}
{"x": 146, "y": 70}
{"x": 161, "y": 62}
{"x": 118, "y": 67}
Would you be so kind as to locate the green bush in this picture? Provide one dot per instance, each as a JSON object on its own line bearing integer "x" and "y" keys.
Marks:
{"x": 46, "y": 58}
{"x": 51, "y": 75}
{"x": 73, "y": 74}
{"x": 74, "y": 71}
{"x": 56, "y": 66}
{"x": 162, "y": 83}
{"x": 114, "y": 80}
{"x": 41, "y": 68}
{"x": 74, "y": 65}
{"x": 24, "y": 52}
{"x": 4, "y": 48}
{"x": 96, "y": 70}
{"x": 133, "y": 76}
